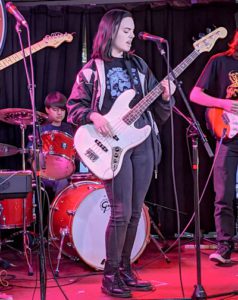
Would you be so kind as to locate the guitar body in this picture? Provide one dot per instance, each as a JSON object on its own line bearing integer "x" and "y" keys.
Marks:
{"x": 104, "y": 155}
{"x": 222, "y": 124}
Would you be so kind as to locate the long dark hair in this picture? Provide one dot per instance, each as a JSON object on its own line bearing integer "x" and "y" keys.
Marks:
{"x": 108, "y": 27}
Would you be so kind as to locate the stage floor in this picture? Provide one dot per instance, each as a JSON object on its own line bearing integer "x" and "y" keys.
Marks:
{"x": 79, "y": 281}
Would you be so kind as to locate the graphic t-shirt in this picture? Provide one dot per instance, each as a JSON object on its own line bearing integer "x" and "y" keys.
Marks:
{"x": 118, "y": 80}
{"x": 220, "y": 77}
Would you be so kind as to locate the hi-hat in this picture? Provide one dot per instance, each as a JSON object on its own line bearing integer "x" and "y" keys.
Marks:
{"x": 21, "y": 116}
{"x": 8, "y": 150}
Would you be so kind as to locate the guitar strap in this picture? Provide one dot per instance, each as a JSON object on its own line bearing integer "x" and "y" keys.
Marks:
{"x": 128, "y": 67}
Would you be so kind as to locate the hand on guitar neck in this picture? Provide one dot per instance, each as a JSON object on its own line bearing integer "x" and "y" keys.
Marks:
{"x": 166, "y": 90}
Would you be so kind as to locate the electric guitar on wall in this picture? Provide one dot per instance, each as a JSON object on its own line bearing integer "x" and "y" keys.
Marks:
{"x": 53, "y": 40}
{"x": 104, "y": 155}
{"x": 221, "y": 123}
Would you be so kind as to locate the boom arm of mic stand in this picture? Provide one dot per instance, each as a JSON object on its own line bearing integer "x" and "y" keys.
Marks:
{"x": 195, "y": 122}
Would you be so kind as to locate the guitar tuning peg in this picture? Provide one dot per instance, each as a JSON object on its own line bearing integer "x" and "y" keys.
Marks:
{"x": 194, "y": 39}
{"x": 201, "y": 35}
{"x": 208, "y": 30}
{"x": 214, "y": 26}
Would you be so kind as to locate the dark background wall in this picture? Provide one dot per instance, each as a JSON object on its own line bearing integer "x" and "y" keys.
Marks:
{"x": 56, "y": 68}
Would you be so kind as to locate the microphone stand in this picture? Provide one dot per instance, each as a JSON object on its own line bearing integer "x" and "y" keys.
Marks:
{"x": 199, "y": 292}
{"x": 31, "y": 88}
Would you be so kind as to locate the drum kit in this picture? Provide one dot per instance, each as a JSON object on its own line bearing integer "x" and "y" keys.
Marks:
{"x": 79, "y": 214}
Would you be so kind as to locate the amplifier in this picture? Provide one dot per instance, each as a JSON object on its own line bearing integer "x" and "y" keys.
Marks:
{"x": 15, "y": 184}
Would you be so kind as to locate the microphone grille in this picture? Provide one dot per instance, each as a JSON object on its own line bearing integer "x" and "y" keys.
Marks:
{"x": 141, "y": 35}
{"x": 8, "y": 4}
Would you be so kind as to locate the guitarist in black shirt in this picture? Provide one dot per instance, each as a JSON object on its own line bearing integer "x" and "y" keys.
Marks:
{"x": 217, "y": 88}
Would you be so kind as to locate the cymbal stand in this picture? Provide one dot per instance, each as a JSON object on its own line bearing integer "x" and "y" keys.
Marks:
{"x": 23, "y": 127}
{"x": 3, "y": 262}
{"x": 27, "y": 249}
{"x": 31, "y": 88}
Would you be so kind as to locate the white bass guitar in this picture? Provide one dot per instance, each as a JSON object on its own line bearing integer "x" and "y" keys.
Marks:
{"x": 104, "y": 155}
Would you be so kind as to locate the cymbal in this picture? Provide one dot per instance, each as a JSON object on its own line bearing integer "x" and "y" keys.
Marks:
{"x": 8, "y": 150}
{"x": 21, "y": 116}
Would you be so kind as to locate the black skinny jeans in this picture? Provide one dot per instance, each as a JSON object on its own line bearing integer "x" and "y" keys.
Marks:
{"x": 126, "y": 194}
{"x": 224, "y": 184}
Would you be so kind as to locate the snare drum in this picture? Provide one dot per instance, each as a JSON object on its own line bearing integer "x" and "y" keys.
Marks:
{"x": 82, "y": 211}
{"x": 57, "y": 160}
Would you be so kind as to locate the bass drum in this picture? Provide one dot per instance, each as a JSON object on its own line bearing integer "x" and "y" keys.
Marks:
{"x": 82, "y": 211}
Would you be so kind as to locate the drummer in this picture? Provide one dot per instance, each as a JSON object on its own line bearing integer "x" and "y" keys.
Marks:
{"x": 55, "y": 107}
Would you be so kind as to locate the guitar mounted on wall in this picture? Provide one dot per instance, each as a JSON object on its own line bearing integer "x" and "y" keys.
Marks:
{"x": 104, "y": 155}
{"x": 54, "y": 40}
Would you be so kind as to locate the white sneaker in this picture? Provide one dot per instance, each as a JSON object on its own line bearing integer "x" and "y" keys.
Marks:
{"x": 216, "y": 257}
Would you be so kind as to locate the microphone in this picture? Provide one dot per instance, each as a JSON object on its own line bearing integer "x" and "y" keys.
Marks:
{"x": 154, "y": 38}
{"x": 11, "y": 8}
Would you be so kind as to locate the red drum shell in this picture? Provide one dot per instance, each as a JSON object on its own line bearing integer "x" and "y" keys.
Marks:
{"x": 57, "y": 161}
{"x": 12, "y": 212}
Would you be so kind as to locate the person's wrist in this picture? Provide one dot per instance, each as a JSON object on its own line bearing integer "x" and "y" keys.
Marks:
{"x": 165, "y": 97}
{"x": 92, "y": 115}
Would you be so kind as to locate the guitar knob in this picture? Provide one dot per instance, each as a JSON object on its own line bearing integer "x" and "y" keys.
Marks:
{"x": 201, "y": 35}
{"x": 208, "y": 30}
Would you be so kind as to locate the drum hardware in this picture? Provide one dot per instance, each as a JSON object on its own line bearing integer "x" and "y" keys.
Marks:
{"x": 1, "y": 209}
{"x": 21, "y": 117}
{"x": 54, "y": 208}
{"x": 156, "y": 242}
{"x": 63, "y": 232}
{"x": 2, "y": 242}
{"x": 27, "y": 249}
{"x": 71, "y": 212}
{"x": 21, "y": 215}
{"x": 17, "y": 206}
{"x": 91, "y": 188}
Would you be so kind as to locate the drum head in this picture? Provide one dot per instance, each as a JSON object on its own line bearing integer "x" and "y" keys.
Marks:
{"x": 89, "y": 227}
{"x": 83, "y": 208}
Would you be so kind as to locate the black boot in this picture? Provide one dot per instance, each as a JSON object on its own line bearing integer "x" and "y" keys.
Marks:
{"x": 112, "y": 283}
{"x": 132, "y": 281}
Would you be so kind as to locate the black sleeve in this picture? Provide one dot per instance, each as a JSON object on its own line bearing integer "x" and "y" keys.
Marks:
{"x": 160, "y": 108}
{"x": 207, "y": 77}
{"x": 80, "y": 100}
